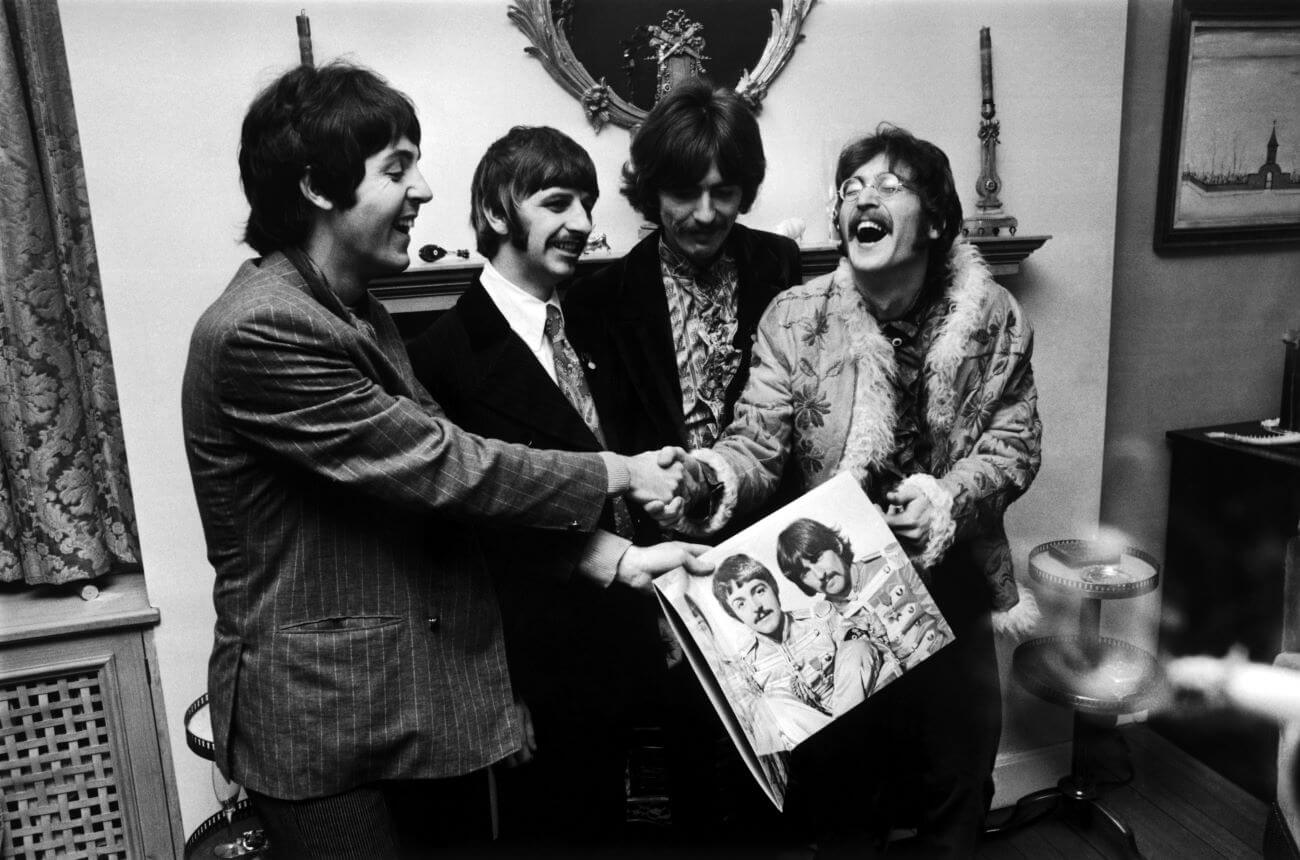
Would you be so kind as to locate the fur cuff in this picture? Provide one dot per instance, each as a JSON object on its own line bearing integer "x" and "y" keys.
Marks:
{"x": 720, "y": 515}
{"x": 942, "y": 527}
{"x": 1020, "y": 620}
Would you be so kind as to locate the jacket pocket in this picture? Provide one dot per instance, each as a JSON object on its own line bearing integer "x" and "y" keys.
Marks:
{"x": 342, "y": 624}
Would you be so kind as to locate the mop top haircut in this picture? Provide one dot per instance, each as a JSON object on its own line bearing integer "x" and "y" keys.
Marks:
{"x": 690, "y": 129}
{"x": 517, "y": 166}
{"x": 319, "y": 121}
{"x": 736, "y": 571}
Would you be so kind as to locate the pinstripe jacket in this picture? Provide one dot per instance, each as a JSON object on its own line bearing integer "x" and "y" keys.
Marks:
{"x": 357, "y": 635}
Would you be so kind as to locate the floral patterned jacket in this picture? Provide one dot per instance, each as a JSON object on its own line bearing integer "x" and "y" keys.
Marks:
{"x": 820, "y": 395}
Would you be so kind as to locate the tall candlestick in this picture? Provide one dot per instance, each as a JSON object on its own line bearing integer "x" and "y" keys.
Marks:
{"x": 989, "y": 220}
{"x": 304, "y": 39}
{"x": 986, "y": 65}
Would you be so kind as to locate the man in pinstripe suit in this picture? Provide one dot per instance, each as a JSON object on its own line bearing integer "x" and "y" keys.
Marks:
{"x": 357, "y": 646}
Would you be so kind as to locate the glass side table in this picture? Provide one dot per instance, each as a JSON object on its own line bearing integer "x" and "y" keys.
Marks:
{"x": 235, "y": 831}
{"x": 1097, "y": 677}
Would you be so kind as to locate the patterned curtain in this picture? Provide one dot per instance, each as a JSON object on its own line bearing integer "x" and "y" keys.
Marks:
{"x": 65, "y": 501}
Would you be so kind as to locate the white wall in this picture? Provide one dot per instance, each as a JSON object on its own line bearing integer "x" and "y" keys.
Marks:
{"x": 161, "y": 87}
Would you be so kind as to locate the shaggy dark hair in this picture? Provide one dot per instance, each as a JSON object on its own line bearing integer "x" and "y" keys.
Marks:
{"x": 802, "y": 542}
{"x": 526, "y": 160}
{"x": 327, "y": 120}
{"x": 690, "y": 129}
{"x": 922, "y": 164}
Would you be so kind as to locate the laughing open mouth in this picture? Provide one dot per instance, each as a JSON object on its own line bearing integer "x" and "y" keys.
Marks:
{"x": 870, "y": 232}
{"x": 569, "y": 246}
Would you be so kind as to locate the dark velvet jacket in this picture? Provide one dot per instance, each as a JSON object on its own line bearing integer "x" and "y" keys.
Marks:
{"x": 618, "y": 321}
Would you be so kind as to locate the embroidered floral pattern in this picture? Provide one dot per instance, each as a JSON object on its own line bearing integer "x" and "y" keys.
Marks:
{"x": 828, "y": 376}
{"x": 810, "y": 407}
{"x": 65, "y": 505}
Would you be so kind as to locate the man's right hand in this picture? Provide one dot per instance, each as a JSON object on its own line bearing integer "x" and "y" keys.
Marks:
{"x": 656, "y": 476}
{"x": 641, "y": 564}
{"x": 694, "y": 489}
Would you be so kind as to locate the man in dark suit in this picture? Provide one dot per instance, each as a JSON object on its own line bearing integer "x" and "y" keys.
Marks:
{"x": 358, "y": 648}
{"x": 671, "y": 325}
{"x": 499, "y": 364}
{"x": 670, "y": 328}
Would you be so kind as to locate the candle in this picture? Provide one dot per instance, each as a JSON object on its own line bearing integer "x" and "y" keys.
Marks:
{"x": 986, "y": 65}
{"x": 304, "y": 39}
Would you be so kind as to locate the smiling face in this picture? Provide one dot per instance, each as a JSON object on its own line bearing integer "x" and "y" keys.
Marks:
{"x": 757, "y": 605}
{"x": 697, "y": 219}
{"x": 884, "y": 235}
{"x": 554, "y": 224}
{"x": 371, "y": 238}
{"x": 828, "y": 575}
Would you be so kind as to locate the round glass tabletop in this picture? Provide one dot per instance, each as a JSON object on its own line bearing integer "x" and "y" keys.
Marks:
{"x": 1100, "y": 676}
{"x": 244, "y": 830}
{"x": 1064, "y": 564}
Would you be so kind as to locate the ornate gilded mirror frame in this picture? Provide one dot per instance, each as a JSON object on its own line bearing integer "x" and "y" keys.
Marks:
{"x": 544, "y": 22}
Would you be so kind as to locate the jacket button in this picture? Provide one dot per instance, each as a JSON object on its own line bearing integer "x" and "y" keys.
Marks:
{"x": 433, "y": 622}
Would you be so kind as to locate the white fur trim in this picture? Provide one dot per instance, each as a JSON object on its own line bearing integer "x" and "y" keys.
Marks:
{"x": 968, "y": 285}
{"x": 871, "y": 423}
{"x": 942, "y": 527}
{"x": 1020, "y": 620}
{"x": 730, "y": 491}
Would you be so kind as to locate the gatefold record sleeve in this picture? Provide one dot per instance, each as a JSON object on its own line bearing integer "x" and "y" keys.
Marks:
{"x": 807, "y": 613}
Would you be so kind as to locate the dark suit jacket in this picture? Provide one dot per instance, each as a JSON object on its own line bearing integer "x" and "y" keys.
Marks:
{"x": 567, "y": 639}
{"x": 618, "y": 319}
{"x": 357, "y": 634}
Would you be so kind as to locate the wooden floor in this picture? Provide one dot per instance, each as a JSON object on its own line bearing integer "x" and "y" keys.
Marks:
{"x": 1178, "y": 808}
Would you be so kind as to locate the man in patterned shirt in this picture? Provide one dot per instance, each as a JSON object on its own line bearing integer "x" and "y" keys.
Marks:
{"x": 667, "y": 333}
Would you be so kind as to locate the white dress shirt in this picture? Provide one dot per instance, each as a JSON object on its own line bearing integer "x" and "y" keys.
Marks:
{"x": 524, "y": 313}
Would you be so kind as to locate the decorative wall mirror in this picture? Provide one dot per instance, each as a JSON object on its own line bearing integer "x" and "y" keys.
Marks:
{"x": 618, "y": 58}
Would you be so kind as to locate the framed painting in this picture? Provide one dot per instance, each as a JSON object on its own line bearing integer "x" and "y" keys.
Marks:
{"x": 1230, "y": 158}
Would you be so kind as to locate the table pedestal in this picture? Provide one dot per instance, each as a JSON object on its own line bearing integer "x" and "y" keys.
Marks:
{"x": 1095, "y": 676}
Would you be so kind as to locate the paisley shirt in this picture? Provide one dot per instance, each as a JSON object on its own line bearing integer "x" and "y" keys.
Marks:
{"x": 702, "y": 307}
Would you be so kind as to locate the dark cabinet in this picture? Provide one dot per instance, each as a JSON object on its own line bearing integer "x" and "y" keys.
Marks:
{"x": 1232, "y": 509}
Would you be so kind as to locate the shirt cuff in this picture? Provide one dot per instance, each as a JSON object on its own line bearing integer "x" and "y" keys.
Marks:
{"x": 618, "y": 478}
{"x": 600, "y": 557}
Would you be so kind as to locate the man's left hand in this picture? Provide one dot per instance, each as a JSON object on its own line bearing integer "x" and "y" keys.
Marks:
{"x": 910, "y": 515}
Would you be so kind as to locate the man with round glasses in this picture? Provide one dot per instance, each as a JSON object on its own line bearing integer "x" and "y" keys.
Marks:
{"x": 909, "y": 367}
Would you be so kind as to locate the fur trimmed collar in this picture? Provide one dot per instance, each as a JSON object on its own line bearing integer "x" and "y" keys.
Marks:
{"x": 871, "y": 426}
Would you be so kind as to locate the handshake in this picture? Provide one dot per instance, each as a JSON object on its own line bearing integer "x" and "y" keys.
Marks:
{"x": 666, "y": 483}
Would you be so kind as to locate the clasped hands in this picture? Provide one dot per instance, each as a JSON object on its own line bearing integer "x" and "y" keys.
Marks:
{"x": 662, "y": 484}
{"x": 666, "y": 483}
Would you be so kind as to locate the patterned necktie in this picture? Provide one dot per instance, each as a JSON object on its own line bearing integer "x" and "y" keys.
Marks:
{"x": 573, "y": 384}
{"x": 569, "y": 375}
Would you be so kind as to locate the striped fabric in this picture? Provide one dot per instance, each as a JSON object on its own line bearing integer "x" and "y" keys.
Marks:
{"x": 357, "y": 634}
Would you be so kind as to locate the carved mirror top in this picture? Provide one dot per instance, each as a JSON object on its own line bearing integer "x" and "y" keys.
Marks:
{"x": 617, "y": 67}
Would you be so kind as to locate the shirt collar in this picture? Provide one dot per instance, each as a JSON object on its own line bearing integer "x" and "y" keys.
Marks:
{"x": 694, "y": 279}
{"x": 524, "y": 313}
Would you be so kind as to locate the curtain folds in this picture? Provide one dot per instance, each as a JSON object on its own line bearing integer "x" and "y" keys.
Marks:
{"x": 65, "y": 501}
